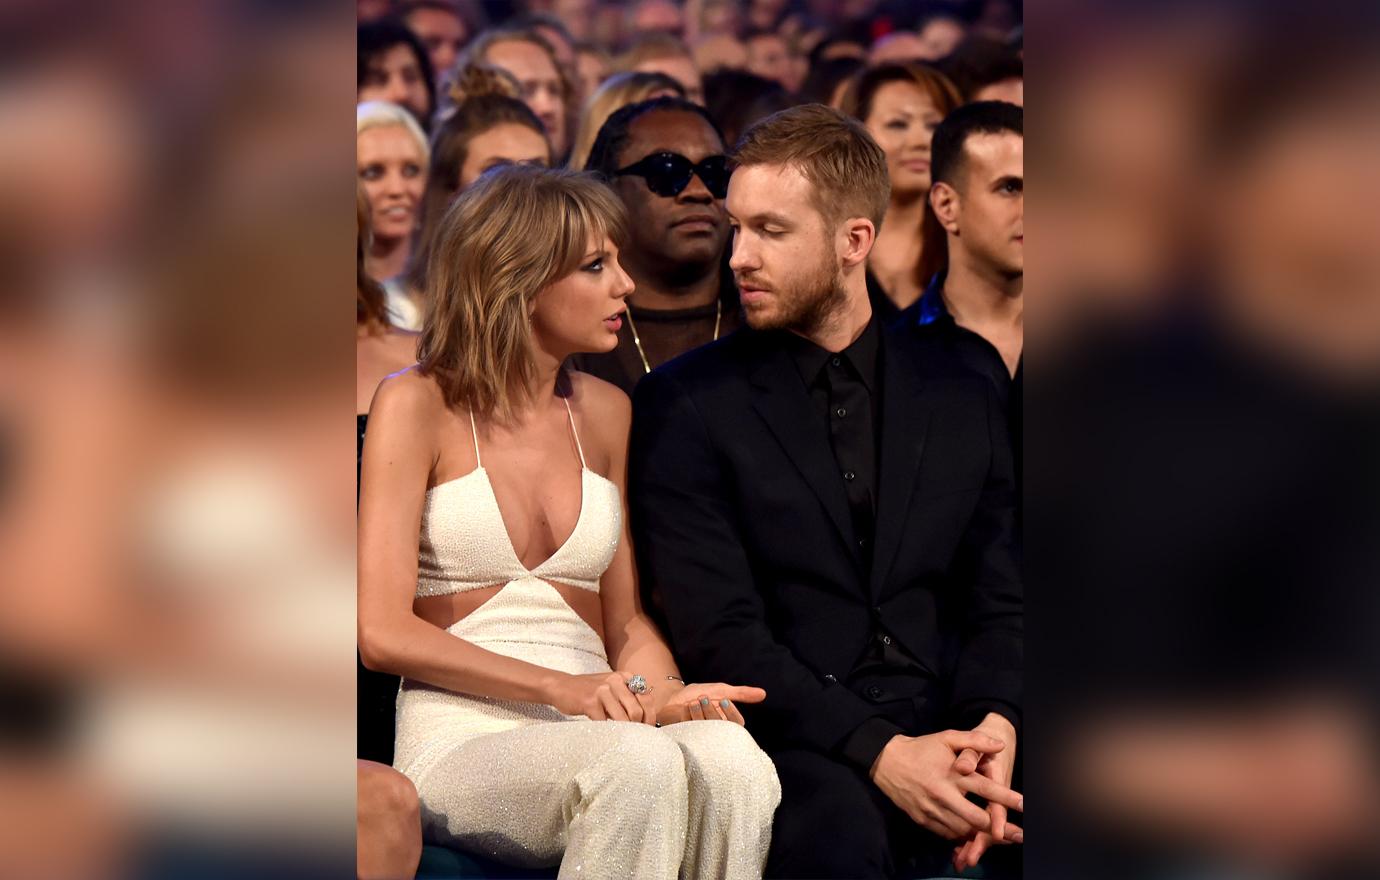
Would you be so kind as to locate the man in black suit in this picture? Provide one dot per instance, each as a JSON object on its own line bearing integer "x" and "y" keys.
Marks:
{"x": 823, "y": 508}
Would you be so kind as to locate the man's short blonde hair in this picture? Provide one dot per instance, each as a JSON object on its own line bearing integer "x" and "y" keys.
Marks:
{"x": 832, "y": 150}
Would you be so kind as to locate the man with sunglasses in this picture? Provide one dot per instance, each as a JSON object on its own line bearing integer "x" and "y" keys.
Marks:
{"x": 665, "y": 160}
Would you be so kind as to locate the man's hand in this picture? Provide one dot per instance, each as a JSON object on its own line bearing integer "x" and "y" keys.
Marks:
{"x": 920, "y": 774}
{"x": 998, "y": 768}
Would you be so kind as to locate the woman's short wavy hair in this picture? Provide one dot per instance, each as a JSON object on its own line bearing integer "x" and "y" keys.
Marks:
{"x": 504, "y": 240}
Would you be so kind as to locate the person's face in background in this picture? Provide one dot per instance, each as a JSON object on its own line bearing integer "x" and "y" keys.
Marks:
{"x": 542, "y": 88}
{"x": 769, "y": 58}
{"x": 442, "y": 33}
{"x": 392, "y": 171}
{"x": 984, "y": 211}
{"x": 371, "y": 10}
{"x": 939, "y": 37}
{"x": 564, "y": 49}
{"x": 395, "y": 75}
{"x": 902, "y": 121}
{"x": 591, "y": 69}
{"x": 785, "y": 261}
{"x": 720, "y": 17}
{"x": 658, "y": 16}
{"x": 505, "y": 144}
{"x": 577, "y": 16}
{"x": 681, "y": 69}
{"x": 666, "y": 231}
{"x": 897, "y": 47}
{"x": 1012, "y": 91}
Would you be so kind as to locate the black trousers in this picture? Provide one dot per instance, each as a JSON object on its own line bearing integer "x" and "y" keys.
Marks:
{"x": 833, "y": 822}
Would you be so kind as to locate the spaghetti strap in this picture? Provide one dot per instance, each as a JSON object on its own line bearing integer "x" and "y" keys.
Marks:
{"x": 578, "y": 446}
{"x": 474, "y": 432}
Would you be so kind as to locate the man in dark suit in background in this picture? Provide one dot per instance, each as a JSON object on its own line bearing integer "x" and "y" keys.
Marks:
{"x": 823, "y": 508}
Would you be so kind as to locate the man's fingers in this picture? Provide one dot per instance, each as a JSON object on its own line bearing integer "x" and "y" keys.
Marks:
{"x": 966, "y": 762}
{"x": 998, "y": 814}
{"x": 970, "y": 813}
{"x": 994, "y": 792}
{"x": 977, "y": 847}
{"x": 959, "y": 740}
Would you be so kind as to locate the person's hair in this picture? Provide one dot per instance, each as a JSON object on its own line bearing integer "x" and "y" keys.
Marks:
{"x": 651, "y": 47}
{"x": 615, "y": 132}
{"x": 982, "y": 117}
{"x": 862, "y": 90}
{"x": 478, "y": 50}
{"x": 617, "y": 91}
{"x": 377, "y": 37}
{"x": 846, "y": 168}
{"x": 382, "y": 114}
{"x": 371, "y": 304}
{"x": 487, "y": 99}
{"x": 825, "y": 77}
{"x": 981, "y": 61}
{"x": 534, "y": 20}
{"x": 736, "y": 99}
{"x": 476, "y": 340}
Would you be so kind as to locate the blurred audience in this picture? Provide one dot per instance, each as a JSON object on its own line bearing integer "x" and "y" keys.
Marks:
{"x": 488, "y": 127}
{"x": 392, "y": 157}
{"x": 646, "y": 17}
{"x": 829, "y": 80}
{"x": 394, "y": 67}
{"x": 619, "y": 90}
{"x": 768, "y": 56}
{"x": 592, "y": 66}
{"x": 985, "y": 69}
{"x": 665, "y": 160}
{"x": 736, "y": 99}
{"x": 720, "y": 51}
{"x": 901, "y": 105}
{"x": 532, "y": 61}
{"x": 442, "y": 29}
{"x": 663, "y": 53}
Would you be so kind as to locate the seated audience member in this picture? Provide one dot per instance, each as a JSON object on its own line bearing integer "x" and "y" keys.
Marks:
{"x": 592, "y": 66}
{"x": 736, "y": 99}
{"x": 388, "y": 833}
{"x": 822, "y": 506}
{"x": 441, "y": 27}
{"x": 662, "y": 53}
{"x": 769, "y": 56}
{"x": 665, "y": 160}
{"x": 532, "y": 61}
{"x": 901, "y": 104}
{"x": 620, "y": 90}
{"x": 391, "y": 155}
{"x": 394, "y": 67}
{"x": 985, "y": 69}
{"x": 716, "y": 18}
{"x": 488, "y": 127}
{"x": 976, "y": 307}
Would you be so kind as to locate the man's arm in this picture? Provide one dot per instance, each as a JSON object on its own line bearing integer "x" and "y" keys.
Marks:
{"x": 690, "y": 552}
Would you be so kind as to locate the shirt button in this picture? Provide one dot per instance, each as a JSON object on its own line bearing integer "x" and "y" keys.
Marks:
{"x": 862, "y": 542}
{"x": 841, "y": 412}
{"x": 886, "y": 640}
{"x": 849, "y": 476}
{"x": 874, "y": 692}
{"x": 836, "y": 362}
{"x": 831, "y": 679}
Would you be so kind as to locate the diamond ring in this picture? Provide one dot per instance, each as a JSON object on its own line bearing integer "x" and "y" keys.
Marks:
{"x": 638, "y": 685}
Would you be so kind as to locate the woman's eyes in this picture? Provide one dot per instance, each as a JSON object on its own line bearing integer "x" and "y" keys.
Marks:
{"x": 411, "y": 170}
{"x": 371, "y": 172}
{"x": 595, "y": 266}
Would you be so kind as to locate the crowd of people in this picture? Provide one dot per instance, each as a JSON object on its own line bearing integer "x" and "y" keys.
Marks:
{"x": 738, "y": 285}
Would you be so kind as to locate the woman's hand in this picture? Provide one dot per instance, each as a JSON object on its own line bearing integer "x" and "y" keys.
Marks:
{"x": 707, "y": 702}
{"x": 604, "y": 696}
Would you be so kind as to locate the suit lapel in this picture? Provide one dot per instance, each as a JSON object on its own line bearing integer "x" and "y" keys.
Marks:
{"x": 782, "y": 401}
{"x": 904, "y": 423}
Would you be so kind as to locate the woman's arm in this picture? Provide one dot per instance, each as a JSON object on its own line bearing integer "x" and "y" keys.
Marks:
{"x": 400, "y": 451}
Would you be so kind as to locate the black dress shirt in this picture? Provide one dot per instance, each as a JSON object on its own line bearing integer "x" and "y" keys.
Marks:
{"x": 845, "y": 391}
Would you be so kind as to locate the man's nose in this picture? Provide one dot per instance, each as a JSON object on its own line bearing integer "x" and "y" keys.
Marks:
{"x": 695, "y": 191}
{"x": 741, "y": 258}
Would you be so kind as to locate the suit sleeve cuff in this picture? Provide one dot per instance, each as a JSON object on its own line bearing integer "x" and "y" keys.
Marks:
{"x": 865, "y": 743}
{"x": 972, "y": 713}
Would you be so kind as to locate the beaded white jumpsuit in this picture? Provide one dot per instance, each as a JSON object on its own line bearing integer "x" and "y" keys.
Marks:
{"x": 527, "y": 785}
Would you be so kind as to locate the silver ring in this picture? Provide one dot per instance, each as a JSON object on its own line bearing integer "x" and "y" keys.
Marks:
{"x": 638, "y": 685}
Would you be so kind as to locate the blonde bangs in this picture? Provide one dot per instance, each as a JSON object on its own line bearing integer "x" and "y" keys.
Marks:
{"x": 491, "y": 258}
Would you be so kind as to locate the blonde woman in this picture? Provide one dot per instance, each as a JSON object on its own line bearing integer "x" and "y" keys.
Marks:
{"x": 541, "y": 715}
{"x": 618, "y": 91}
{"x": 391, "y": 155}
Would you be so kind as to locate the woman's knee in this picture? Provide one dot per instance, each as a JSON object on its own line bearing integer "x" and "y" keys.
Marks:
{"x": 642, "y": 761}
{"x": 386, "y": 795}
{"x": 724, "y": 756}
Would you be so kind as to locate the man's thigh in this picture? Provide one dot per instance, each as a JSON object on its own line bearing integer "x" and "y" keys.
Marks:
{"x": 829, "y": 823}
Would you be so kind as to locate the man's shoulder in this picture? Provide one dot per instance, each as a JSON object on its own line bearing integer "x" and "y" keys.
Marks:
{"x": 723, "y": 361}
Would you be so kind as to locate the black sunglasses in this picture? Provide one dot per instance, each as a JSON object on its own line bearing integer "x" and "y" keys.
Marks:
{"x": 668, "y": 174}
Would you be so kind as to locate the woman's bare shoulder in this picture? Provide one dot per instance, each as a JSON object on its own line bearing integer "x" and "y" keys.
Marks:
{"x": 600, "y": 399}
{"x": 407, "y": 396}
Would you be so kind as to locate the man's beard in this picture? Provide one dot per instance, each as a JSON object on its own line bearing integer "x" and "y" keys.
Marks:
{"x": 805, "y": 305}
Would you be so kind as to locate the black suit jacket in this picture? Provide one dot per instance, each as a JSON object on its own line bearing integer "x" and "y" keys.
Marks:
{"x": 746, "y": 547}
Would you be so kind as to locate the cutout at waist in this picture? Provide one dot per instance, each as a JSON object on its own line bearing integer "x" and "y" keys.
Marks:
{"x": 445, "y": 611}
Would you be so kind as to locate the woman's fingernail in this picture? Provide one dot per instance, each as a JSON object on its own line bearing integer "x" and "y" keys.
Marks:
{"x": 723, "y": 703}
{"x": 704, "y": 701}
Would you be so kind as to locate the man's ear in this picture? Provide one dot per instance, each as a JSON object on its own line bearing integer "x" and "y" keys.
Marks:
{"x": 944, "y": 201}
{"x": 858, "y": 237}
